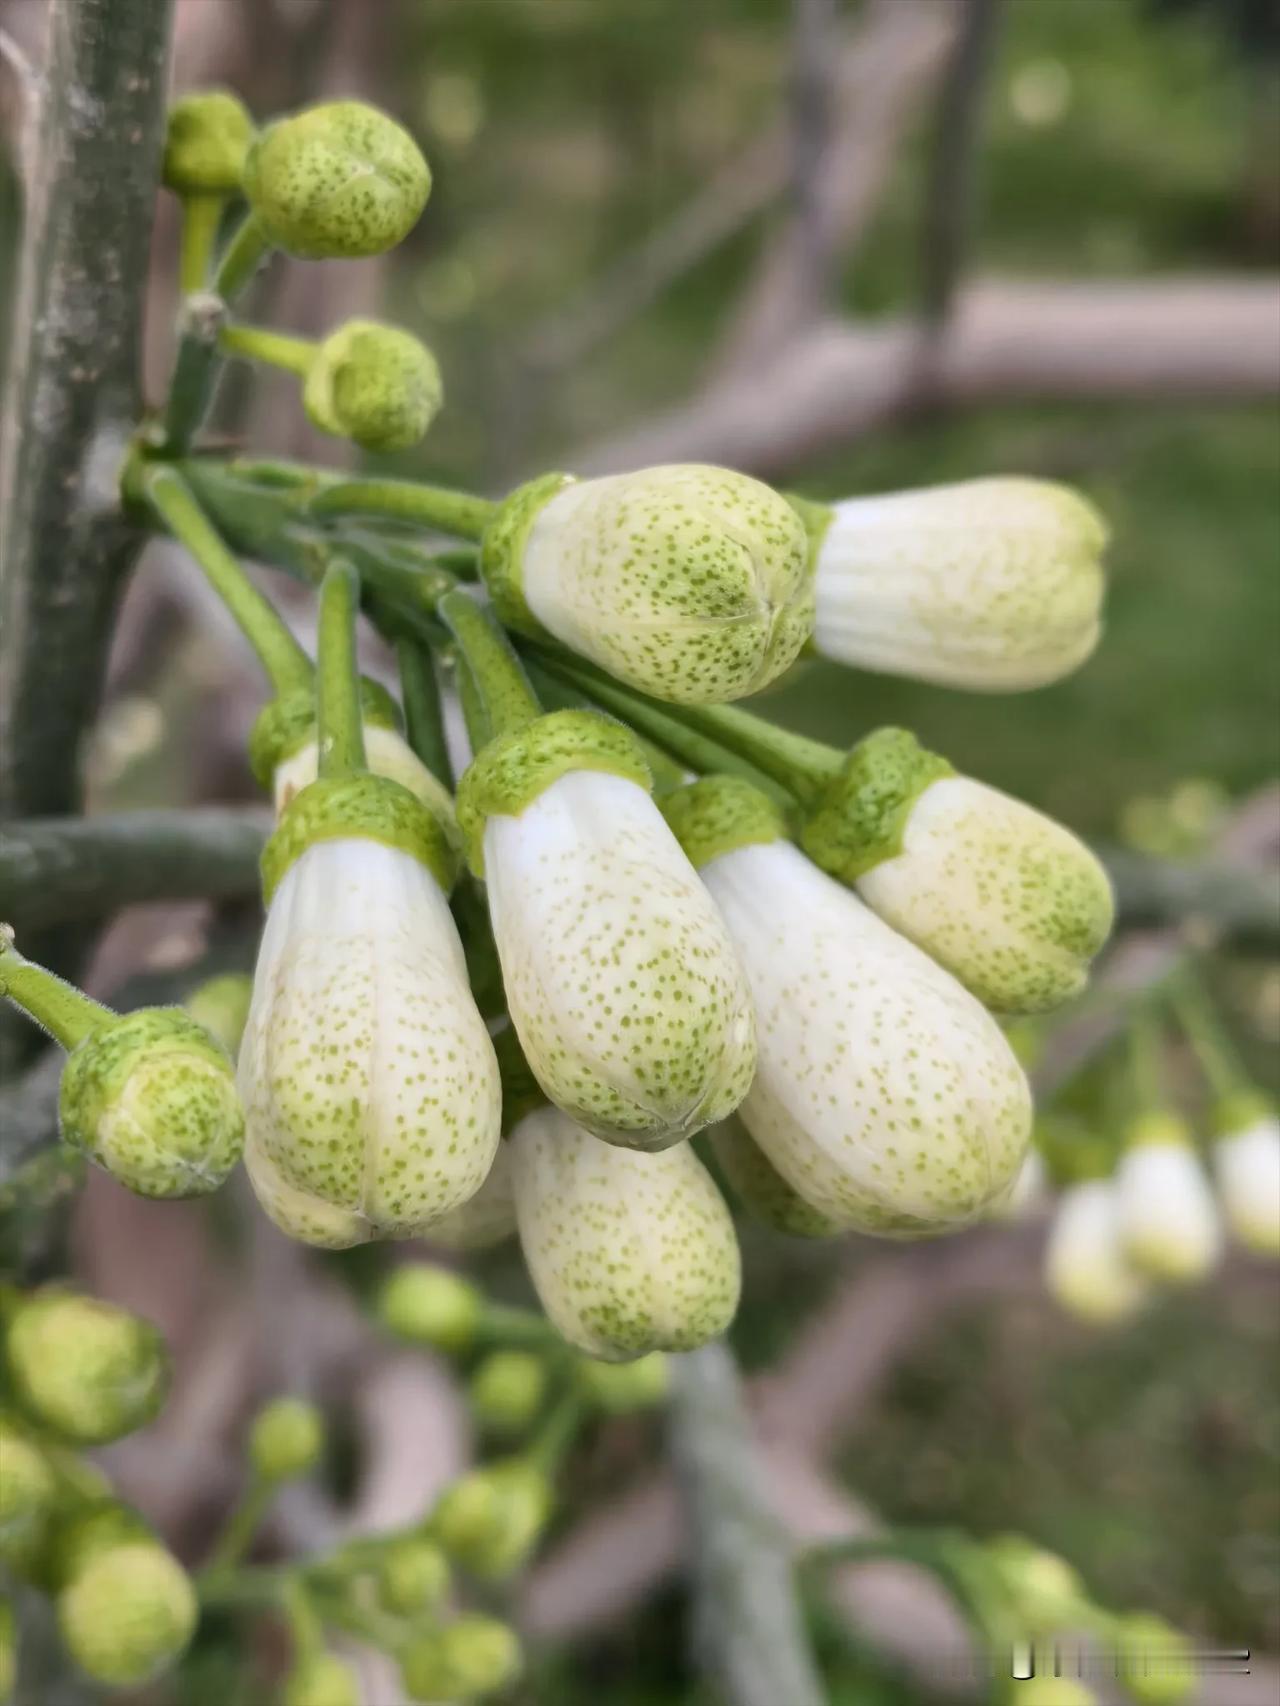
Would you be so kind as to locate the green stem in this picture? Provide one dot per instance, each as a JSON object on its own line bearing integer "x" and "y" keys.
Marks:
{"x": 284, "y": 660}
{"x": 242, "y": 257}
{"x": 479, "y": 733}
{"x": 195, "y": 370}
{"x": 501, "y": 1324}
{"x": 668, "y": 773}
{"x": 57, "y": 1007}
{"x": 1219, "y": 1062}
{"x": 503, "y": 688}
{"x": 201, "y": 217}
{"x": 242, "y": 1525}
{"x": 224, "y": 1586}
{"x": 1146, "y": 1076}
{"x": 553, "y": 1439}
{"x": 256, "y": 343}
{"x": 338, "y": 719}
{"x": 458, "y": 513}
{"x": 305, "y": 1628}
{"x": 423, "y": 712}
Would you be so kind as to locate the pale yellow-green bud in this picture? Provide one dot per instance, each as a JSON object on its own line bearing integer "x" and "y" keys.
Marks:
{"x": 373, "y": 384}
{"x": 491, "y": 1519}
{"x": 474, "y": 1656}
{"x": 86, "y": 1370}
{"x": 617, "y": 1387}
{"x": 1157, "y": 1666}
{"x": 127, "y": 1612}
{"x": 1087, "y": 1268}
{"x": 507, "y": 1390}
{"x": 689, "y": 582}
{"x": 341, "y": 179}
{"x": 413, "y": 1577}
{"x": 1168, "y": 1218}
{"x": 322, "y": 1680}
{"x": 221, "y": 1005}
{"x": 486, "y": 1218}
{"x": 1053, "y": 1691}
{"x": 28, "y": 1491}
{"x": 286, "y": 1440}
{"x": 1048, "y": 1593}
{"x": 206, "y": 143}
{"x": 1246, "y": 1167}
{"x": 755, "y": 1180}
{"x": 430, "y": 1306}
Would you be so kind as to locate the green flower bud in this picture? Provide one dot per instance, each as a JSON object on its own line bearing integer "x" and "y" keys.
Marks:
{"x": 127, "y": 1612}
{"x": 206, "y": 143}
{"x": 286, "y": 1440}
{"x": 413, "y": 1577}
{"x": 430, "y": 1306}
{"x": 373, "y": 384}
{"x": 617, "y": 1387}
{"x": 1157, "y": 1666}
{"x": 755, "y": 1179}
{"x": 507, "y": 1390}
{"x": 491, "y": 1519}
{"x": 86, "y": 1370}
{"x": 689, "y": 582}
{"x": 28, "y": 1491}
{"x": 1048, "y": 1593}
{"x": 221, "y": 1006}
{"x": 341, "y": 179}
{"x": 323, "y": 1680}
{"x": 473, "y": 1656}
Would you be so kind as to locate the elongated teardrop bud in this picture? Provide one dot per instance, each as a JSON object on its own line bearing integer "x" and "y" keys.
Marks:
{"x": 87, "y": 1371}
{"x": 766, "y": 1194}
{"x": 1246, "y": 1166}
{"x": 1087, "y": 1268}
{"x": 1168, "y": 1219}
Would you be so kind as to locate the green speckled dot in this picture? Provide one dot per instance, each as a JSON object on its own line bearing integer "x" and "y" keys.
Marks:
{"x": 862, "y": 814}
{"x": 375, "y": 385}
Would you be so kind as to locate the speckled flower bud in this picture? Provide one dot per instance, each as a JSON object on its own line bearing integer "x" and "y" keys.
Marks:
{"x": 322, "y": 1680}
{"x": 221, "y": 1006}
{"x": 485, "y": 1219}
{"x": 992, "y": 585}
{"x": 628, "y": 1252}
{"x": 127, "y": 1609}
{"x": 689, "y": 582}
{"x": 1246, "y": 1166}
{"x": 371, "y": 1093}
{"x": 620, "y": 1387}
{"x": 491, "y": 1519}
{"x": 1007, "y": 900}
{"x": 621, "y": 981}
{"x": 28, "y": 1490}
{"x": 1157, "y": 1665}
{"x": 87, "y": 1371}
{"x": 413, "y": 1577}
{"x": 1087, "y": 1268}
{"x": 886, "y": 1096}
{"x": 286, "y": 1439}
{"x": 757, "y": 1183}
{"x": 336, "y": 180}
{"x": 427, "y": 1305}
{"x": 206, "y": 143}
{"x": 473, "y": 1656}
{"x": 373, "y": 384}
{"x": 151, "y": 1097}
{"x": 1168, "y": 1220}
{"x": 507, "y": 1390}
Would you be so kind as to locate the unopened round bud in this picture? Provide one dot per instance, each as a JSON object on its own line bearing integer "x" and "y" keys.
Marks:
{"x": 413, "y": 1577}
{"x": 152, "y": 1098}
{"x": 28, "y": 1489}
{"x": 286, "y": 1440}
{"x": 88, "y": 1371}
{"x": 490, "y": 1519}
{"x": 507, "y": 1390}
{"x": 127, "y": 1613}
{"x": 206, "y": 143}
{"x": 473, "y": 1656}
{"x": 373, "y": 384}
{"x": 1048, "y": 1593}
{"x": 341, "y": 179}
{"x": 1157, "y": 1667}
{"x": 322, "y": 1681}
{"x": 617, "y": 1387}
{"x": 430, "y": 1306}
{"x": 221, "y": 1005}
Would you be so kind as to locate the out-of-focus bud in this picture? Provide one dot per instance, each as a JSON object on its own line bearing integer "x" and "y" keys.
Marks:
{"x": 126, "y": 1607}
{"x": 1168, "y": 1219}
{"x": 322, "y": 1680}
{"x": 286, "y": 1439}
{"x": 1006, "y": 899}
{"x": 206, "y": 143}
{"x": 413, "y": 1577}
{"x": 1048, "y": 1594}
{"x": 993, "y": 585}
{"x": 758, "y": 1183}
{"x": 1055, "y": 1691}
{"x": 473, "y": 1656}
{"x": 1087, "y": 1268}
{"x": 84, "y": 1369}
{"x": 1028, "y": 1193}
{"x": 484, "y": 1219}
{"x": 28, "y": 1490}
{"x": 1246, "y": 1165}
{"x": 1157, "y": 1664}
{"x": 628, "y": 1252}
{"x": 689, "y": 582}
{"x": 491, "y": 1519}
{"x": 374, "y": 384}
{"x": 221, "y": 1006}
{"x": 337, "y": 180}
{"x": 8, "y": 1651}
{"x": 507, "y": 1390}
{"x": 427, "y": 1305}
{"x": 618, "y": 1387}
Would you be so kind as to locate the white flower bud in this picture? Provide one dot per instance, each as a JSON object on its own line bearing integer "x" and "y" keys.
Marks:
{"x": 1168, "y": 1219}
{"x": 629, "y": 1253}
{"x": 370, "y": 1086}
{"x": 1086, "y": 1266}
{"x": 484, "y": 1219}
{"x": 1246, "y": 1165}
{"x": 992, "y": 585}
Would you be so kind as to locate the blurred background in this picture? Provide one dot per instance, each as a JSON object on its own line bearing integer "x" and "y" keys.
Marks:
{"x": 853, "y": 247}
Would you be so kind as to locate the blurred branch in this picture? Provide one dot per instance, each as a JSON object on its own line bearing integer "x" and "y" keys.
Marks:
{"x": 748, "y": 1629}
{"x": 60, "y": 870}
{"x": 1210, "y": 338}
{"x": 1240, "y": 905}
{"x": 19, "y": 103}
{"x": 814, "y": 80}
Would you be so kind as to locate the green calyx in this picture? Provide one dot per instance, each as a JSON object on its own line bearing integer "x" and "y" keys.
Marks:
{"x": 817, "y": 518}
{"x": 718, "y": 814}
{"x": 341, "y": 808}
{"x": 1157, "y": 1127}
{"x": 288, "y": 723}
{"x": 206, "y": 143}
{"x": 861, "y": 815}
{"x": 374, "y": 384}
{"x": 1240, "y": 1110}
{"x": 510, "y": 773}
{"x": 502, "y": 551}
{"x": 337, "y": 180}
{"x": 521, "y": 1092}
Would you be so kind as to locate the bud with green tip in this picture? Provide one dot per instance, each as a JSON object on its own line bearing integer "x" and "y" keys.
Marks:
{"x": 126, "y": 1607}
{"x": 1006, "y": 899}
{"x": 758, "y": 1183}
{"x": 1087, "y": 1267}
{"x": 337, "y": 180}
{"x": 374, "y": 384}
{"x": 619, "y": 1387}
{"x": 993, "y": 585}
{"x": 1168, "y": 1220}
{"x": 886, "y": 1096}
{"x": 491, "y": 1519}
{"x": 629, "y": 1252}
{"x": 286, "y": 1440}
{"x": 83, "y": 1368}
{"x": 28, "y": 1493}
{"x": 426, "y": 1305}
{"x": 1246, "y": 1166}
{"x": 473, "y": 1656}
{"x": 506, "y": 1391}
{"x": 221, "y": 1006}
{"x": 413, "y": 1577}
{"x": 206, "y": 143}
{"x": 1156, "y": 1664}
{"x": 689, "y": 582}
{"x": 322, "y": 1680}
